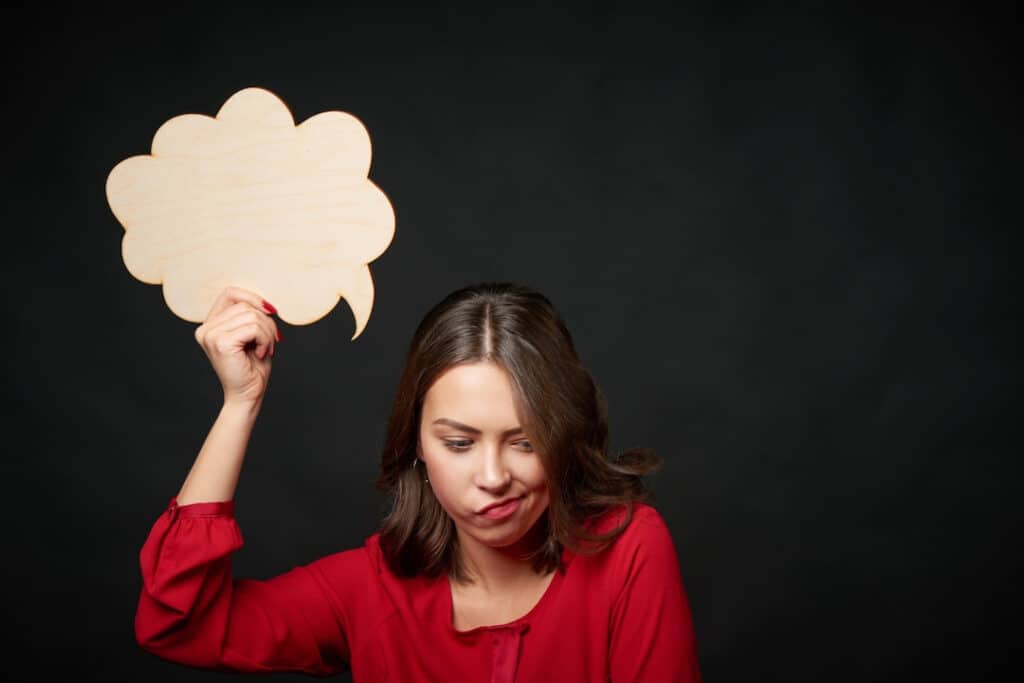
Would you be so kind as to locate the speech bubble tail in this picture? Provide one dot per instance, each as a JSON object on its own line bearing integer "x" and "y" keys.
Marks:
{"x": 357, "y": 289}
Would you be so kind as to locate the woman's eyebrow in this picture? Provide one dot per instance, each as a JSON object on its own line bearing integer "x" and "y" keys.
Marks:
{"x": 472, "y": 430}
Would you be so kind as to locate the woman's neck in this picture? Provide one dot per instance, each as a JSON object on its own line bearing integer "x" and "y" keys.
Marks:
{"x": 497, "y": 571}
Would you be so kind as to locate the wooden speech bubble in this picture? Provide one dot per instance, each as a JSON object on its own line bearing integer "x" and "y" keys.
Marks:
{"x": 252, "y": 200}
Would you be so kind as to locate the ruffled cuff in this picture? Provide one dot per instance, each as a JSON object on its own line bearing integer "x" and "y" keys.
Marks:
{"x": 187, "y": 553}
{"x": 221, "y": 508}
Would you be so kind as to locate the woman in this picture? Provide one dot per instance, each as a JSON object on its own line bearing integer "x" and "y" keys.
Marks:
{"x": 514, "y": 550}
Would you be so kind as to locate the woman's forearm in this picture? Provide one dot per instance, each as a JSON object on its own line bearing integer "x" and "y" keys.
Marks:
{"x": 214, "y": 474}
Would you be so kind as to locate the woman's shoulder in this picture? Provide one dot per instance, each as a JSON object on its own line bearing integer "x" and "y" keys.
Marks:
{"x": 641, "y": 527}
{"x": 367, "y": 558}
{"x": 360, "y": 575}
{"x": 642, "y": 517}
{"x": 357, "y": 566}
{"x": 372, "y": 555}
{"x": 644, "y": 546}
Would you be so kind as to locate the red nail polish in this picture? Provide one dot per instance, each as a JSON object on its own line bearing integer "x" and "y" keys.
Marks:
{"x": 278, "y": 333}
{"x": 269, "y": 308}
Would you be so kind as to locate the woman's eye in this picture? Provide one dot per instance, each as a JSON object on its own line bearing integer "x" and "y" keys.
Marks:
{"x": 457, "y": 446}
{"x": 525, "y": 445}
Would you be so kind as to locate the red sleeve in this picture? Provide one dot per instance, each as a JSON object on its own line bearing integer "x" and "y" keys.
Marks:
{"x": 652, "y": 628}
{"x": 191, "y": 611}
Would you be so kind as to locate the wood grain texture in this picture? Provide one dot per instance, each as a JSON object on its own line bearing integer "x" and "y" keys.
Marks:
{"x": 247, "y": 198}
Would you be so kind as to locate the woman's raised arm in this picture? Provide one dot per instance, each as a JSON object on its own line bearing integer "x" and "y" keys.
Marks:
{"x": 191, "y": 608}
{"x": 238, "y": 337}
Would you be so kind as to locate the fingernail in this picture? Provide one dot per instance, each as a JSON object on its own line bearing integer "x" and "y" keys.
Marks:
{"x": 278, "y": 333}
{"x": 269, "y": 307}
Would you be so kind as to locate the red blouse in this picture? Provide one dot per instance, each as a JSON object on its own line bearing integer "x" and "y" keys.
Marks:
{"x": 621, "y": 615}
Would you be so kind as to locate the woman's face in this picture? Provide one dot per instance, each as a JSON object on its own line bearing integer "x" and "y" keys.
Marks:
{"x": 476, "y": 454}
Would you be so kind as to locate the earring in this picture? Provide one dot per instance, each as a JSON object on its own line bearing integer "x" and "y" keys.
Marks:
{"x": 417, "y": 462}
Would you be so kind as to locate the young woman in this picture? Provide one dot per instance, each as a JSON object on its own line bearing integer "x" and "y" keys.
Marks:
{"x": 515, "y": 549}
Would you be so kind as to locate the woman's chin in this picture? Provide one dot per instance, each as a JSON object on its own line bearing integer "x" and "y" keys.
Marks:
{"x": 519, "y": 530}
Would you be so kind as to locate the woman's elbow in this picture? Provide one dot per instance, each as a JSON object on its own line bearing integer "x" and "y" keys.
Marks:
{"x": 147, "y": 634}
{"x": 157, "y": 633}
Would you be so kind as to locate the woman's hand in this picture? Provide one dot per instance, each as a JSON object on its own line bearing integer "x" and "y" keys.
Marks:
{"x": 238, "y": 337}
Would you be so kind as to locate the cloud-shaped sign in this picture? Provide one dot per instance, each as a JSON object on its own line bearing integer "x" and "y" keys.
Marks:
{"x": 250, "y": 199}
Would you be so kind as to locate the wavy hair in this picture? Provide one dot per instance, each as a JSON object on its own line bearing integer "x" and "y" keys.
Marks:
{"x": 562, "y": 411}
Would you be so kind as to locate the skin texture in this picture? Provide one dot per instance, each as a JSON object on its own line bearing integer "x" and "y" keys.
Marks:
{"x": 469, "y": 470}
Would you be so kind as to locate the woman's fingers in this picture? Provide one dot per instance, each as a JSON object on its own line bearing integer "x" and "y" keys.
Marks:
{"x": 217, "y": 334}
{"x": 235, "y": 315}
{"x": 234, "y": 295}
{"x": 243, "y": 335}
{"x": 260, "y": 327}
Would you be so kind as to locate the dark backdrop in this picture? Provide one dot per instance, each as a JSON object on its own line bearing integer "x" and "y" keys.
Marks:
{"x": 781, "y": 240}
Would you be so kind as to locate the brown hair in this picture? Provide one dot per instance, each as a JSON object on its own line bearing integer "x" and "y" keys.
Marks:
{"x": 562, "y": 411}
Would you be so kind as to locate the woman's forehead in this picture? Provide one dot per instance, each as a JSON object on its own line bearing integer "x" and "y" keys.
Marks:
{"x": 479, "y": 395}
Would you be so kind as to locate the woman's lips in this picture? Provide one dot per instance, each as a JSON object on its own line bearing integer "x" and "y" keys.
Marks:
{"x": 503, "y": 510}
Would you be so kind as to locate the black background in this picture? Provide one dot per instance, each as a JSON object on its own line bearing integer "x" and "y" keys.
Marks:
{"x": 781, "y": 239}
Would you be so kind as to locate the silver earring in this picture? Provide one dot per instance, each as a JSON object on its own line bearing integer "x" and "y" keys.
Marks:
{"x": 417, "y": 462}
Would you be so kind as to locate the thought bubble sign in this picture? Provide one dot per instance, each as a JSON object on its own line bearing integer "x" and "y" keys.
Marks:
{"x": 249, "y": 199}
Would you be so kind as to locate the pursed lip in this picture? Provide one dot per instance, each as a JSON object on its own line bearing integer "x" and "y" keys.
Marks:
{"x": 498, "y": 504}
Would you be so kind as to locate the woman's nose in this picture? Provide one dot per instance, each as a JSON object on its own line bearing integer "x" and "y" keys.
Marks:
{"x": 492, "y": 474}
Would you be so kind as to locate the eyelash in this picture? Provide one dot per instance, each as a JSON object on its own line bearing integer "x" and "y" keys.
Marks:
{"x": 463, "y": 446}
